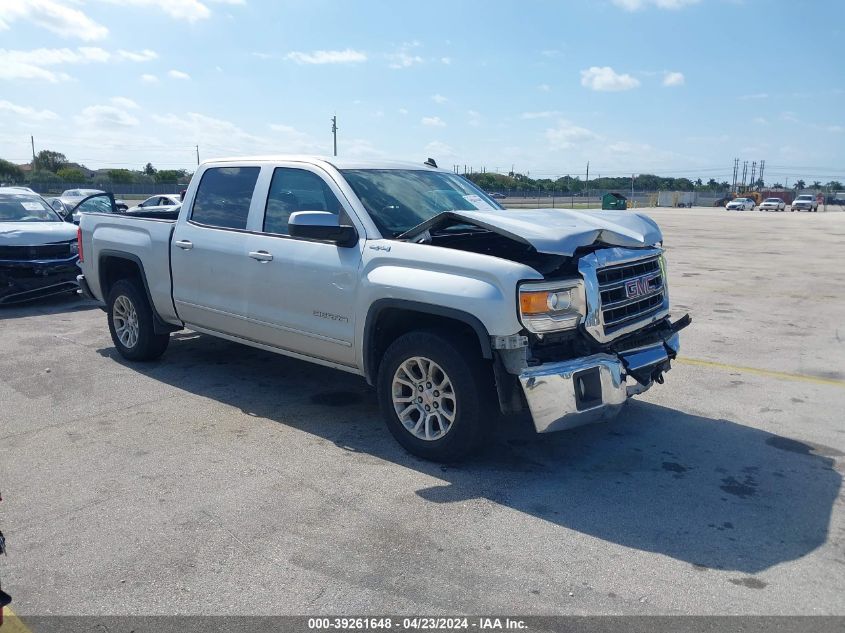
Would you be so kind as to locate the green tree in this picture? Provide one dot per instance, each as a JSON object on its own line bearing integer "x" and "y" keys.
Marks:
{"x": 43, "y": 176}
{"x": 71, "y": 174}
{"x": 171, "y": 176}
{"x": 817, "y": 184}
{"x": 48, "y": 160}
{"x": 799, "y": 184}
{"x": 149, "y": 170}
{"x": 120, "y": 176}
{"x": 759, "y": 183}
{"x": 9, "y": 172}
{"x": 834, "y": 185}
{"x": 777, "y": 185}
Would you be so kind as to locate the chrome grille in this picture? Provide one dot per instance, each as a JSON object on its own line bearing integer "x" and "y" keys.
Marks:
{"x": 630, "y": 292}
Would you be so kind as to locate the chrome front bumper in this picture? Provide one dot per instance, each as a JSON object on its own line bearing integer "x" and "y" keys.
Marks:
{"x": 572, "y": 393}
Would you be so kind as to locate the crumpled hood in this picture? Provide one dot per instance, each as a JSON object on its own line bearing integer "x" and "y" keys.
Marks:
{"x": 35, "y": 233}
{"x": 562, "y": 231}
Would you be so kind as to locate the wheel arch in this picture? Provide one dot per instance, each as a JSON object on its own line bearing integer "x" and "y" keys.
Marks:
{"x": 387, "y": 319}
{"x": 112, "y": 266}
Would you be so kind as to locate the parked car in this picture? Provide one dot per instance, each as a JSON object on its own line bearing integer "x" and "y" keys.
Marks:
{"x": 64, "y": 204}
{"x": 496, "y": 195}
{"x": 156, "y": 203}
{"x": 740, "y": 204}
{"x": 773, "y": 204}
{"x": 407, "y": 275}
{"x": 805, "y": 202}
{"x": 9, "y": 188}
{"x": 38, "y": 249}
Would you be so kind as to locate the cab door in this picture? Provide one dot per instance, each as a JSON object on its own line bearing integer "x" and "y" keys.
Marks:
{"x": 301, "y": 292}
{"x": 208, "y": 252}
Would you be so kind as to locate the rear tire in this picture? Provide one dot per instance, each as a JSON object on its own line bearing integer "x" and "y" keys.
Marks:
{"x": 442, "y": 425}
{"x": 131, "y": 323}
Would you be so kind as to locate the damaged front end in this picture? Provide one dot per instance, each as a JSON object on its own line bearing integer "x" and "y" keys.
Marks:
{"x": 34, "y": 272}
{"x": 592, "y": 339}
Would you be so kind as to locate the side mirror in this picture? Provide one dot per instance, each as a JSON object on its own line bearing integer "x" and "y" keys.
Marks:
{"x": 323, "y": 226}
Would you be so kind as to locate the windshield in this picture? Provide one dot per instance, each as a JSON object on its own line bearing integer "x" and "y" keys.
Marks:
{"x": 773, "y": 200}
{"x": 805, "y": 197}
{"x": 25, "y": 208}
{"x": 400, "y": 199}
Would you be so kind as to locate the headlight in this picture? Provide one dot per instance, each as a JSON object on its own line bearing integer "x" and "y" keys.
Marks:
{"x": 552, "y": 307}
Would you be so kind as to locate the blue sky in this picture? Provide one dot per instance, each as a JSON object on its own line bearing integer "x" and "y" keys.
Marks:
{"x": 677, "y": 87}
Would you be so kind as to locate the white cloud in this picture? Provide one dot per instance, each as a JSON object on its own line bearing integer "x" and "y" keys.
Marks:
{"x": 446, "y": 60}
{"x": 636, "y": 5}
{"x": 124, "y": 102}
{"x": 56, "y": 17}
{"x": 18, "y": 64}
{"x": 433, "y": 121}
{"x": 403, "y": 111}
{"x": 438, "y": 98}
{"x": 27, "y": 112}
{"x": 605, "y": 79}
{"x": 106, "y": 116}
{"x": 33, "y": 64}
{"x": 188, "y": 10}
{"x": 760, "y": 120}
{"x": 178, "y": 74}
{"x": 758, "y": 95}
{"x": 439, "y": 151}
{"x": 836, "y": 129}
{"x": 347, "y": 56}
{"x": 403, "y": 57}
{"x": 145, "y": 55}
{"x": 671, "y": 78}
{"x": 150, "y": 79}
{"x": 567, "y": 135}
{"x": 539, "y": 115}
{"x": 544, "y": 87}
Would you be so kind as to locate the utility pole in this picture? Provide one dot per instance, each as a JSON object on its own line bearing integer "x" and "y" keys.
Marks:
{"x": 762, "y": 167}
{"x": 753, "y": 180}
{"x": 32, "y": 140}
{"x": 334, "y": 133}
{"x": 736, "y": 174}
{"x": 587, "y": 180}
{"x": 744, "y": 173}
{"x": 198, "y": 154}
{"x": 632, "y": 187}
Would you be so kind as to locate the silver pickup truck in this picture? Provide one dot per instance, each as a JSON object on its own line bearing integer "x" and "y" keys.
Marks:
{"x": 410, "y": 276}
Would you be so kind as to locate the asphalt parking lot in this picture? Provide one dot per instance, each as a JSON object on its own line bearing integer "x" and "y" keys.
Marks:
{"x": 230, "y": 480}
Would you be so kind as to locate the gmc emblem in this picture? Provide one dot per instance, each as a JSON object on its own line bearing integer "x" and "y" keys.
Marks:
{"x": 641, "y": 286}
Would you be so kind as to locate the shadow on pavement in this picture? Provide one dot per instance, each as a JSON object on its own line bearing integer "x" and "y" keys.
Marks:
{"x": 713, "y": 493}
{"x": 56, "y": 304}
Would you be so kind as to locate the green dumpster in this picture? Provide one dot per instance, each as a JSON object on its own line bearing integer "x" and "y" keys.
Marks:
{"x": 614, "y": 201}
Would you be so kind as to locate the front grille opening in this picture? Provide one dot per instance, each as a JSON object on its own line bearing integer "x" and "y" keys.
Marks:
{"x": 614, "y": 274}
{"x": 587, "y": 385}
{"x": 617, "y": 307}
{"x": 46, "y": 251}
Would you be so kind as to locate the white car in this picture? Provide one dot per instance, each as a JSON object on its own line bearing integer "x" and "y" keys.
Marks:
{"x": 805, "y": 202}
{"x": 166, "y": 202}
{"x": 773, "y": 204}
{"x": 740, "y": 204}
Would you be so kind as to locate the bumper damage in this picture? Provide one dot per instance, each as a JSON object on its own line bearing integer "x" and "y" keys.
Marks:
{"x": 27, "y": 280}
{"x": 567, "y": 394}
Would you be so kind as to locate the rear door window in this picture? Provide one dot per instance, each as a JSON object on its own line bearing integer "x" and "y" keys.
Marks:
{"x": 223, "y": 197}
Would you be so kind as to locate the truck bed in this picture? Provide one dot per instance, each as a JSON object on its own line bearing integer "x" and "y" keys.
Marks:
{"x": 145, "y": 240}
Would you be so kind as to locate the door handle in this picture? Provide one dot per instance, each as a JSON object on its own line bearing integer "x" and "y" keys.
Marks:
{"x": 185, "y": 245}
{"x": 261, "y": 256}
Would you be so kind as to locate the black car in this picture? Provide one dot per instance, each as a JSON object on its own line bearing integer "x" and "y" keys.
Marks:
{"x": 38, "y": 249}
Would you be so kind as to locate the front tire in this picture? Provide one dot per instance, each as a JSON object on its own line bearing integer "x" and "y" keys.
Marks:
{"x": 131, "y": 323}
{"x": 435, "y": 393}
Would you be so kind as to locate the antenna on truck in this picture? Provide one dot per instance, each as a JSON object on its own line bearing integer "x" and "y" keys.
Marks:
{"x": 430, "y": 162}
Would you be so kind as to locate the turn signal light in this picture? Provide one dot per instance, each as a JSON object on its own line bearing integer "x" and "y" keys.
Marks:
{"x": 79, "y": 243}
